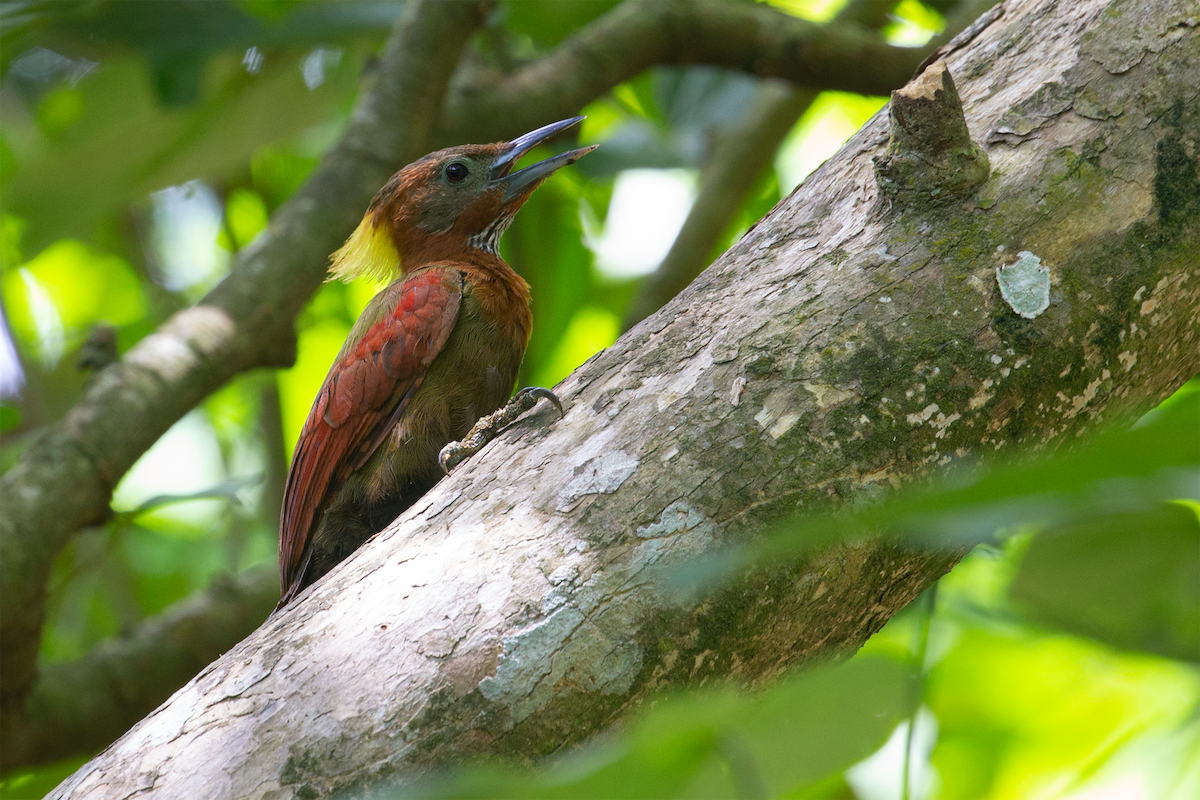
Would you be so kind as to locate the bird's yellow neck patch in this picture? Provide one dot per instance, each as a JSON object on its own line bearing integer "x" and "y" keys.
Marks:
{"x": 368, "y": 253}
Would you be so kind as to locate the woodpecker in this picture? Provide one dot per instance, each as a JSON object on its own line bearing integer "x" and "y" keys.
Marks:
{"x": 437, "y": 349}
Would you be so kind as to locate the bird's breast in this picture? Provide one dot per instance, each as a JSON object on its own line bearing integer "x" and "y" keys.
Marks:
{"x": 472, "y": 376}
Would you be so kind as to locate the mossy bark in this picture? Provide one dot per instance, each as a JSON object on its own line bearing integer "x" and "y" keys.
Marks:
{"x": 844, "y": 346}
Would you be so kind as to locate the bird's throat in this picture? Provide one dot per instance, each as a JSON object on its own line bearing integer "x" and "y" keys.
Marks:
{"x": 488, "y": 240}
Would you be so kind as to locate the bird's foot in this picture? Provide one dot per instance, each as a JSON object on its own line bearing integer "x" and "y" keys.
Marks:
{"x": 489, "y": 427}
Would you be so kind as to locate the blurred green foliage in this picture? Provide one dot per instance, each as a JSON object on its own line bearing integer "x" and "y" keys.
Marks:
{"x": 143, "y": 144}
{"x": 721, "y": 742}
{"x": 77, "y": 286}
{"x": 547, "y": 22}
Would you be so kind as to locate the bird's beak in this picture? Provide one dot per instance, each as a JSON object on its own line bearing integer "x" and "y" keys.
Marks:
{"x": 521, "y": 182}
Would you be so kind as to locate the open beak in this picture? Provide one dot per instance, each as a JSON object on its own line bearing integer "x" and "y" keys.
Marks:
{"x": 519, "y": 183}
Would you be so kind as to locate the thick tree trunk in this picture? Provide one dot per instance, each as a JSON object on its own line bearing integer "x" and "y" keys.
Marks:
{"x": 845, "y": 345}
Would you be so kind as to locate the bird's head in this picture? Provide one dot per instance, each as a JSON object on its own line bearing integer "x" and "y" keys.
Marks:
{"x": 448, "y": 205}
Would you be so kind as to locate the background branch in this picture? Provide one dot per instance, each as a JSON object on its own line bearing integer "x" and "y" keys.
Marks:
{"x": 638, "y": 34}
{"x": 84, "y": 705}
{"x": 741, "y": 155}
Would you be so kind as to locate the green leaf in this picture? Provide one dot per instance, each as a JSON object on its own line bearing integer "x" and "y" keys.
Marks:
{"x": 38, "y": 781}
{"x": 277, "y": 172}
{"x": 59, "y": 110}
{"x": 316, "y": 349}
{"x": 10, "y": 417}
{"x": 719, "y": 742}
{"x": 823, "y": 721}
{"x": 124, "y": 144}
{"x": 815, "y": 10}
{"x": 1118, "y": 470}
{"x": 591, "y": 330}
{"x": 1131, "y": 579}
{"x": 246, "y": 215}
{"x": 82, "y": 286}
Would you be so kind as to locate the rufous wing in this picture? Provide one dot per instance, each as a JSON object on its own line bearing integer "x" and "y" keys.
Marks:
{"x": 365, "y": 394}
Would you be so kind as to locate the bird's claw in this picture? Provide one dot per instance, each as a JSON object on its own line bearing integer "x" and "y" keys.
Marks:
{"x": 523, "y": 398}
{"x": 487, "y": 428}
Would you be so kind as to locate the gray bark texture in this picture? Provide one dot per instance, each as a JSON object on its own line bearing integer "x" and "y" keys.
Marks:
{"x": 846, "y": 345}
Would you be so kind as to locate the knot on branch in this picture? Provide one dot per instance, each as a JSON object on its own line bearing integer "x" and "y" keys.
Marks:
{"x": 930, "y": 156}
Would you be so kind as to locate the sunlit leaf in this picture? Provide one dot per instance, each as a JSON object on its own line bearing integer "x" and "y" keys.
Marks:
{"x": 1020, "y": 714}
{"x": 59, "y": 110}
{"x": 913, "y": 24}
{"x": 590, "y": 331}
{"x": 298, "y": 386}
{"x": 831, "y": 119}
{"x": 246, "y": 215}
{"x": 84, "y": 286}
{"x": 815, "y": 10}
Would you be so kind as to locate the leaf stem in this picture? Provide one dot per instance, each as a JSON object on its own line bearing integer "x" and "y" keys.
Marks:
{"x": 929, "y": 604}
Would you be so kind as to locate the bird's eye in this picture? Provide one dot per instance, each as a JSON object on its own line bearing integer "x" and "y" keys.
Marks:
{"x": 457, "y": 172}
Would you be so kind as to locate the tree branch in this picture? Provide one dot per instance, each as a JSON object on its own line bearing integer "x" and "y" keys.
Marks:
{"x": 83, "y": 705}
{"x": 743, "y": 154}
{"x": 841, "y": 347}
{"x": 64, "y": 480}
{"x": 639, "y": 34}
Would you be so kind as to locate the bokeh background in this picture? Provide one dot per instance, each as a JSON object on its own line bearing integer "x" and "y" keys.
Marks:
{"x": 143, "y": 144}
